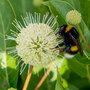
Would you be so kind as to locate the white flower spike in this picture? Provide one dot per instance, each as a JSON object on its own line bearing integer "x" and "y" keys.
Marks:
{"x": 34, "y": 40}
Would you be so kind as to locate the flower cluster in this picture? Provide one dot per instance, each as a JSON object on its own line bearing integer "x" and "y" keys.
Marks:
{"x": 35, "y": 40}
{"x": 73, "y": 17}
{"x": 34, "y": 43}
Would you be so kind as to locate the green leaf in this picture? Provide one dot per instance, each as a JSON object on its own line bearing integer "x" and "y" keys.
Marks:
{"x": 72, "y": 87}
{"x": 12, "y": 71}
{"x": 61, "y": 6}
{"x": 83, "y": 59}
{"x": 55, "y": 12}
{"x": 77, "y": 67}
{"x": 78, "y": 82}
{"x": 85, "y": 11}
{"x": 63, "y": 67}
{"x": 74, "y": 3}
{"x": 3, "y": 80}
{"x": 8, "y": 72}
{"x": 59, "y": 84}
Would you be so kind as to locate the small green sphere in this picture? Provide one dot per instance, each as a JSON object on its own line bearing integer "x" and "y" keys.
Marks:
{"x": 73, "y": 17}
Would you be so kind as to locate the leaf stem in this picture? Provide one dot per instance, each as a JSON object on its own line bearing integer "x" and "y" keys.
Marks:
{"x": 44, "y": 77}
{"x": 28, "y": 78}
{"x": 83, "y": 37}
{"x": 88, "y": 74}
{"x": 86, "y": 55}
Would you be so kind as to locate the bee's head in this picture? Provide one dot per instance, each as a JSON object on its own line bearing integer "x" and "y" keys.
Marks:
{"x": 62, "y": 29}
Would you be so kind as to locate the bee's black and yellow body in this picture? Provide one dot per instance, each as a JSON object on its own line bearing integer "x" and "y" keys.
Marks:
{"x": 71, "y": 40}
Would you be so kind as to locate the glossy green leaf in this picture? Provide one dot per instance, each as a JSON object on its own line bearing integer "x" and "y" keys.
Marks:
{"x": 12, "y": 71}
{"x": 72, "y": 87}
{"x": 77, "y": 67}
{"x": 78, "y": 82}
{"x": 63, "y": 67}
{"x": 8, "y": 72}
{"x": 85, "y": 11}
{"x": 59, "y": 84}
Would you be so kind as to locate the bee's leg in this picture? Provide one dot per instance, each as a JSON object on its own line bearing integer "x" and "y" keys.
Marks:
{"x": 59, "y": 45}
{"x": 60, "y": 50}
{"x": 59, "y": 38}
{"x": 67, "y": 49}
{"x": 56, "y": 33}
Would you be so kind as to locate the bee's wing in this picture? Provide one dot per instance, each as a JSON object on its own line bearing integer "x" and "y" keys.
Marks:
{"x": 77, "y": 41}
{"x": 79, "y": 46}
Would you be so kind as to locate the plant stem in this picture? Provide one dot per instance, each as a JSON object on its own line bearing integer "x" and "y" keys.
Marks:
{"x": 83, "y": 37}
{"x": 28, "y": 78}
{"x": 44, "y": 77}
{"x": 86, "y": 55}
{"x": 88, "y": 74}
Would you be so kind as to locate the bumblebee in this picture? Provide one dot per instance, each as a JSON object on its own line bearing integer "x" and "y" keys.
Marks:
{"x": 71, "y": 41}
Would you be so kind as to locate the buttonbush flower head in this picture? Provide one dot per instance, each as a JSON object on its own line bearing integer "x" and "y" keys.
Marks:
{"x": 35, "y": 40}
{"x": 73, "y": 17}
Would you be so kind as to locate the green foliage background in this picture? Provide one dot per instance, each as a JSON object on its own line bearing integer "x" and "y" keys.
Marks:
{"x": 74, "y": 74}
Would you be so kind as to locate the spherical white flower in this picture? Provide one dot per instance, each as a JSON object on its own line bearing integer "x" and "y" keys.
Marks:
{"x": 35, "y": 40}
{"x": 34, "y": 43}
{"x": 73, "y": 17}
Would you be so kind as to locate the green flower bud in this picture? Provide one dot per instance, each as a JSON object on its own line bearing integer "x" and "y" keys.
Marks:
{"x": 73, "y": 17}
